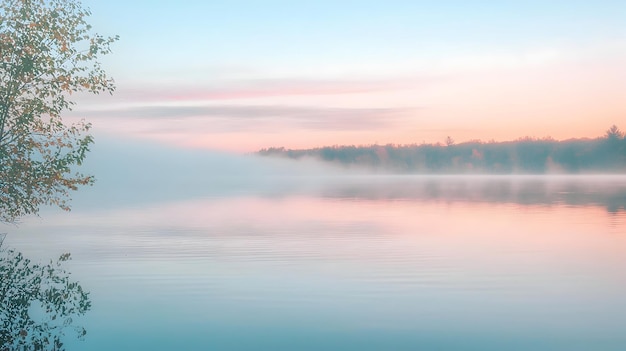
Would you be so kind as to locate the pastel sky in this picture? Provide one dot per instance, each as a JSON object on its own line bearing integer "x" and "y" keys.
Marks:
{"x": 243, "y": 75}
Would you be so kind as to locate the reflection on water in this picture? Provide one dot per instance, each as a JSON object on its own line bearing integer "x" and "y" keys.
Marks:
{"x": 382, "y": 263}
{"x": 38, "y": 303}
{"x": 605, "y": 191}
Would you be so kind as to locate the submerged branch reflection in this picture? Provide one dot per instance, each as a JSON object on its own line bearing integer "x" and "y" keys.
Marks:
{"x": 38, "y": 303}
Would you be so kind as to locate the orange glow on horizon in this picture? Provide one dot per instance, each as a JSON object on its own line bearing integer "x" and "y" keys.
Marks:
{"x": 562, "y": 100}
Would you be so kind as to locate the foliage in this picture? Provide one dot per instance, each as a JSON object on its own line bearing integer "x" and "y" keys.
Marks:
{"x": 37, "y": 303}
{"x": 47, "y": 52}
{"x": 614, "y": 133}
{"x": 525, "y": 155}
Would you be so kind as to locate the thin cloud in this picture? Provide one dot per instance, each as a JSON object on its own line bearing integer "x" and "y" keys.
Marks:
{"x": 262, "y": 88}
{"x": 241, "y": 89}
{"x": 228, "y": 118}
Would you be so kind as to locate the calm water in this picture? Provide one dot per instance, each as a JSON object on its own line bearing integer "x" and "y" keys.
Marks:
{"x": 351, "y": 263}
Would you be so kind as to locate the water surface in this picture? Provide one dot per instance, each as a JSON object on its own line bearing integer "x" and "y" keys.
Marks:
{"x": 352, "y": 263}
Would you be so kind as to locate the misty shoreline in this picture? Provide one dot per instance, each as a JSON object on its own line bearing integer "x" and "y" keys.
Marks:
{"x": 527, "y": 155}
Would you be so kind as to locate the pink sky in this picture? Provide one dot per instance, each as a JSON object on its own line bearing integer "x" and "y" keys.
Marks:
{"x": 546, "y": 93}
{"x": 245, "y": 75}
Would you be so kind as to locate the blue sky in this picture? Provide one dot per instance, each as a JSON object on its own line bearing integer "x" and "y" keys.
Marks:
{"x": 293, "y": 35}
{"x": 404, "y": 55}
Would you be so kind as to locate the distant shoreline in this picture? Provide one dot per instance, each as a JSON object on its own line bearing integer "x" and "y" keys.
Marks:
{"x": 530, "y": 156}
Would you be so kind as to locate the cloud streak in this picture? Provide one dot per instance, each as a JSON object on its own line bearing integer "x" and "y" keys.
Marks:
{"x": 247, "y": 89}
{"x": 263, "y": 88}
{"x": 234, "y": 118}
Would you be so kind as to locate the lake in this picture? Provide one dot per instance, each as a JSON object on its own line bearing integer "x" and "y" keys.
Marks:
{"x": 351, "y": 262}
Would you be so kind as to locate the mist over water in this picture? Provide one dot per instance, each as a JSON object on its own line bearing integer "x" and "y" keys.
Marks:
{"x": 201, "y": 250}
{"x": 130, "y": 173}
{"x": 139, "y": 173}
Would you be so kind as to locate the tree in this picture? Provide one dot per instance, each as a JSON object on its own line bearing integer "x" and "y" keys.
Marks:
{"x": 47, "y": 52}
{"x": 37, "y": 303}
{"x": 449, "y": 141}
{"x": 614, "y": 133}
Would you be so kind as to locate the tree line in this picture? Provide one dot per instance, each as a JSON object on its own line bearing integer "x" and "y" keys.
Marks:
{"x": 524, "y": 155}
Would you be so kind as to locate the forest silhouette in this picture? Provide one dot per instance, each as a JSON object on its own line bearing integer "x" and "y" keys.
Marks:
{"x": 606, "y": 154}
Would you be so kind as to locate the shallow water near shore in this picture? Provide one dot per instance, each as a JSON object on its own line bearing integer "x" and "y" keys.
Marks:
{"x": 351, "y": 263}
